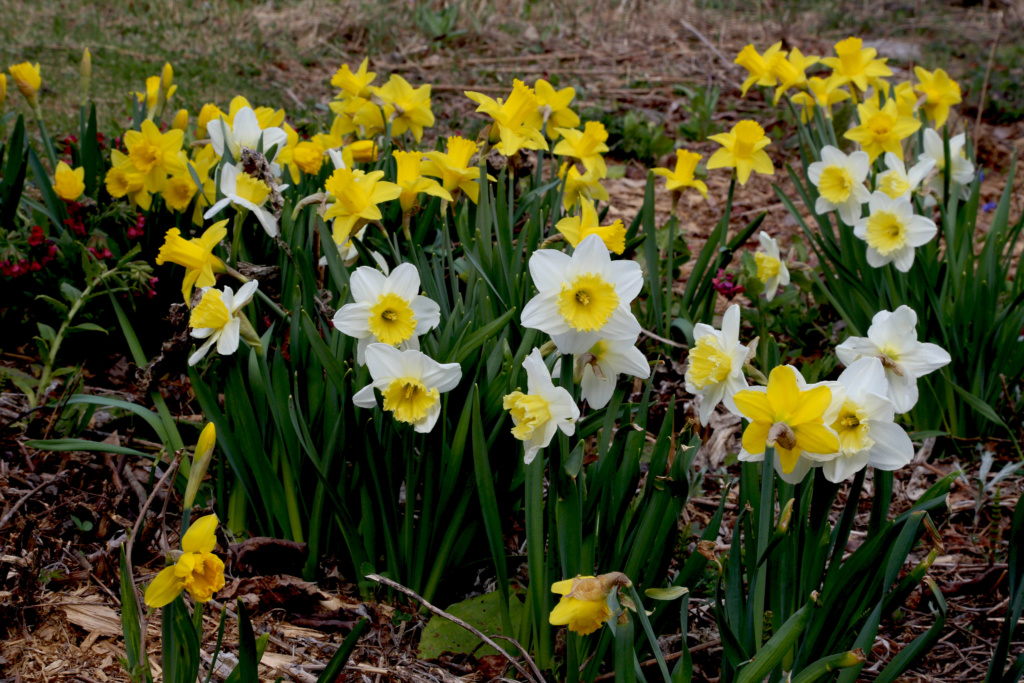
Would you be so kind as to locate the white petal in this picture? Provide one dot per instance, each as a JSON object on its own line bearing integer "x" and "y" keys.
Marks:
{"x": 246, "y": 128}
{"x": 227, "y": 344}
{"x": 365, "y": 398}
{"x": 875, "y": 259}
{"x": 426, "y": 424}
{"x": 442, "y": 376}
{"x": 538, "y": 378}
{"x": 859, "y": 165}
{"x": 404, "y": 281}
{"x": 367, "y": 284}
{"x": 219, "y": 131}
{"x": 622, "y": 325}
{"x": 217, "y": 208}
{"x": 903, "y": 391}
{"x": 731, "y": 326}
{"x": 272, "y": 137}
{"x": 548, "y": 268}
{"x": 573, "y": 342}
{"x": 864, "y": 375}
{"x": 597, "y": 391}
{"x": 244, "y": 295}
{"x": 920, "y": 230}
{"x": 892, "y": 448}
{"x": 353, "y": 320}
{"x": 628, "y": 279}
{"x": 592, "y": 256}
{"x": 541, "y": 313}
{"x": 202, "y": 350}
{"x": 803, "y": 466}
{"x": 854, "y": 348}
{"x": 384, "y": 361}
{"x": 922, "y": 358}
{"x": 428, "y": 314}
{"x": 266, "y": 219}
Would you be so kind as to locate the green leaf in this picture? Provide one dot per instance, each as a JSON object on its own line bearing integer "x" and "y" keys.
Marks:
{"x": 671, "y": 593}
{"x": 984, "y": 408}
{"x": 138, "y": 661}
{"x": 482, "y": 612}
{"x": 180, "y": 644}
{"x": 63, "y": 445}
{"x": 248, "y": 657}
{"x": 770, "y": 656}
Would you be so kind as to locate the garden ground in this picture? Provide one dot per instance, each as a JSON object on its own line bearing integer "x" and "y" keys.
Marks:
{"x": 643, "y": 67}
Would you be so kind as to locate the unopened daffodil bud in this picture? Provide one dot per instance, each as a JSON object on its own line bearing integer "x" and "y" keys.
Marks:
{"x": 209, "y": 112}
{"x": 200, "y": 462}
{"x": 180, "y": 120}
{"x": 26, "y": 76}
{"x": 3, "y": 89}
{"x": 85, "y": 75}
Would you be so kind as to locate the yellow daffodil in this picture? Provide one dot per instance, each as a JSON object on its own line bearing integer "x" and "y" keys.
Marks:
{"x": 412, "y": 182}
{"x": 179, "y": 190}
{"x": 26, "y": 76}
{"x": 790, "y": 72}
{"x": 356, "y": 196}
{"x": 453, "y": 167}
{"x": 512, "y": 117}
{"x": 286, "y": 155}
{"x": 356, "y": 115}
{"x": 180, "y": 121}
{"x": 68, "y": 183}
{"x": 149, "y": 98}
{"x": 743, "y": 149}
{"x": 309, "y": 157}
{"x": 583, "y": 607}
{"x": 856, "y": 64}
{"x": 360, "y": 152}
{"x": 881, "y": 130}
{"x": 580, "y": 186}
{"x": 585, "y": 145}
{"x": 906, "y": 98}
{"x": 196, "y": 570}
{"x": 200, "y": 462}
{"x": 682, "y": 176}
{"x": 3, "y": 89}
{"x": 354, "y": 84}
{"x": 335, "y": 138}
{"x": 787, "y": 417}
{"x": 196, "y": 255}
{"x": 554, "y": 112}
{"x": 204, "y": 161}
{"x": 407, "y": 108}
{"x": 153, "y": 153}
{"x": 758, "y": 66}
{"x": 209, "y": 112}
{"x": 575, "y": 228}
{"x": 265, "y": 116}
{"x": 820, "y": 92}
{"x": 940, "y": 91}
{"x": 124, "y": 180}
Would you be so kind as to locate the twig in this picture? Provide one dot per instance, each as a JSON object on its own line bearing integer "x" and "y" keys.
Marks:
{"x": 693, "y": 29}
{"x": 663, "y": 340}
{"x": 459, "y": 622}
{"x": 526, "y": 656}
{"x": 988, "y": 72}
{"x": 668, "y": 658}
{"x": 21, "y": 501}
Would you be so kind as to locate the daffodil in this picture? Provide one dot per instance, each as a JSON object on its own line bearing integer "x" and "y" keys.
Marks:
{"x": 245, "y": 192}
{"x": 791, "y": 71}
{"x": 822, "y": 93}
{"x": 715, "y": 368}
{"x": 683, "y": 175}
{"x": 554, "y": 111}
{"x": 28, "y": 79}
{"x": 196, "y": 569}
{"x": 180, "y": 121}
{"x": 906, "y": 98}
{"x": 357, "y": 115}
{"x": 864, "y": 425}
{"x": 940, "y": 92}
{"x": 407, "y": 108}
{"x": 124, "y": 180}
{"x": 892, "y": 231}
{"x": 576, "y": 228}
{"x": 154, "y": 154}
{"x": 387, "y": 309}
{"x": 857, "y": 64}
{"x": 356, "y": 195}
{"x": 245, "y": 131}
{"x": 195, "y": 255}
{"x": 758, "y": 66}
{"x": 217, "y": 318}
{"x": 265, "y": 116}
{"x": 411, "y": 384}
{"x": 771, "y": 269}
{"x": 585, "y": 145}
{"x": 961, "y": 170}
{"x": 209, "y": 112}
{"x": 583, "y": 607}
{"x": 881, "y": 130}
{"x": 583, "y": 298}
{"x": 200, "y": 462}
{"x": 309, "y": 157}
{"x": 542, "y": 410}
{"x": 150, "y": 98}
{"x": 513, "y": 118}
{"x": 743, "y": 149}
{"x": 603, "y": 364}
{"x": 840, "y": 182}
{"x": 354, "y": 84}
{"x": 580, "y": 186}
{"x": 68, "y": 183}
{"x": 892, "y": 339}
{"x": 3, "y": 89}
{"x": 452, "y": 167}
{"x": 409, "y": 178}
{"x": 897, "y": 182}
{"x": 790, "y": 416}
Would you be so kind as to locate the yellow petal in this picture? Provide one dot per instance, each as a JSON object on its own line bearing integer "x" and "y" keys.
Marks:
{"x": 755, "y": 436}
{"x": 816, "y": 438}
{"x": 812, "y": 405}
{"x": 754, "y": 405}
{"x": 164, "y": 588}
{"x": 201, "y": 537}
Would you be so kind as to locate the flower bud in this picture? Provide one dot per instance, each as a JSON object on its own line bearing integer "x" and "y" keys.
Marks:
{"x": 200, "y": 462}
{"x": 3, "y": 89}
{"x": 180, "y": 120}
{"x": 85, "y": 75}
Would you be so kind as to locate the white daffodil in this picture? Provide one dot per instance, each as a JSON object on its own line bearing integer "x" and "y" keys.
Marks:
{"x": 410, "y": 382}
{"x": 892, "y": 231}
{"x": 806, "y": 459}
{"x": 388, "y": 309}
{"x": 892, "y": 339}
{"x": 602, "y": 365}
{"x": 961, "y": 169}
{"x": 583, "y": 298}
{"x": 897, "y": 182}
{"x": 715, "y": 369}
{"x": 542, "y": 410}
{"x": 244, "y": 191}
{"x": 840, "y": 182}
{"x": 771, "y": 270}
{"x": 245, "y": 131}
{"x": 864, "y": 425}
{"x": 217, "y": 319}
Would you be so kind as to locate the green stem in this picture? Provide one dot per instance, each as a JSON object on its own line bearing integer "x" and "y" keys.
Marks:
{"x": 653, "y": 639}
{"x": 535, "y": 558}
{"x": 765, "y": 521}
{"x": 236, "y": 237}
{"x": 51, "y": 153}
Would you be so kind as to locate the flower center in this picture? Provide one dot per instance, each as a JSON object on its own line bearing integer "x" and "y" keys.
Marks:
{"x": 588, "y": 302}
{"x": 886, "y": 233}
{"x": 893, "y": 184}
{"x": 392, "y": 320}
{"x": 849, "y": 52}
{"x": 529, "y": 411}
{"x": 748, "y": 133}
{"x": 251, "y": 189}
{"x": 709, "y": 364}
{"x": 881, "y": 126}
{"x": 144, "y": 155}
{"x": 409, "y": 399}
{"x": 210, "y": 311}
{"x": 767, "y": 266}
{"x": 836, "y": 184}
{"x": 852, "y": 428}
